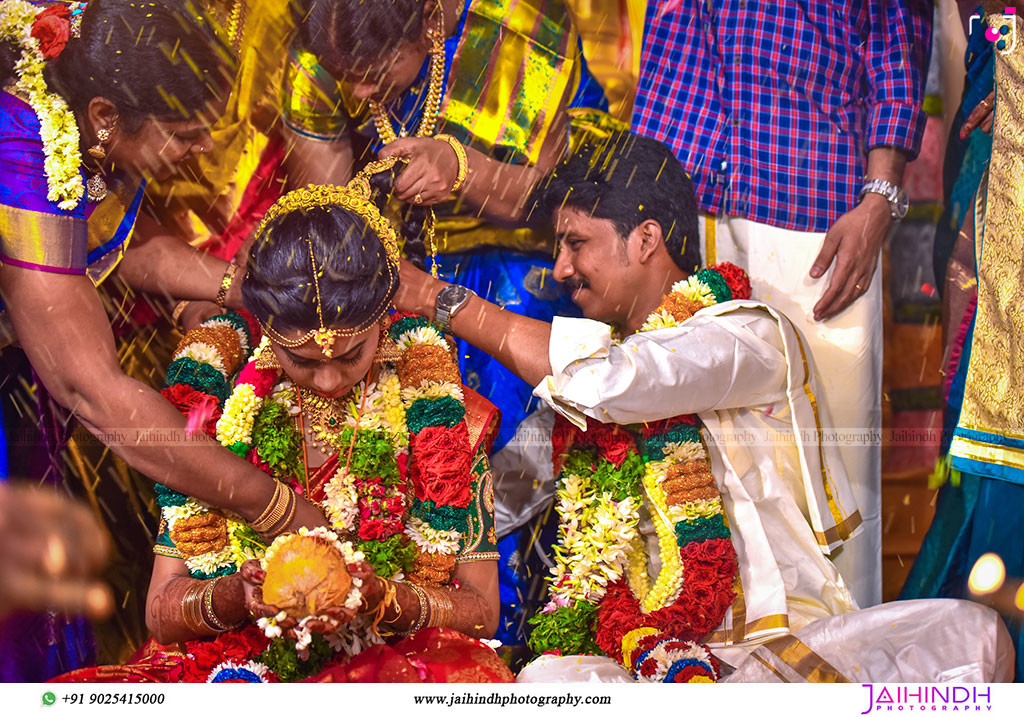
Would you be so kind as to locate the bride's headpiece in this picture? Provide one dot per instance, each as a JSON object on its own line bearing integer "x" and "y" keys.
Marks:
{"x": 356, "y": 198}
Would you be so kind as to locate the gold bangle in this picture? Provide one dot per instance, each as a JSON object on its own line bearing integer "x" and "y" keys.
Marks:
{"x": 421, "y": 620}
{"x": 275, "y": 510}
{"x": 289, "y": 513}
{"x": 441, "y": 608}
{"x": 209, "y": 616}
{"x": 225, "y": 284}
{"x": 191, "y": 609}
{"x": 460, "y": 154}
{"x": 179, "y": 309}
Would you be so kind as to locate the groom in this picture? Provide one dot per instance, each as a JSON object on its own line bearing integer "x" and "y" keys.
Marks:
{"x": 625, "y": 217}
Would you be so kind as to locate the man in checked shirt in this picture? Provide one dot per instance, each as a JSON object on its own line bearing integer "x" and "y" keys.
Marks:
{"x": 795, "y": 119}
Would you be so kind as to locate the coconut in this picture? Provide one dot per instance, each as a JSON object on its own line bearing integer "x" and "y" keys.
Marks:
{"x": 306, "y": 574}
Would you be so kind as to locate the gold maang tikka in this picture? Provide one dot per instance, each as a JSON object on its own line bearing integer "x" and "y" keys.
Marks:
{"x": 355, "y": 197}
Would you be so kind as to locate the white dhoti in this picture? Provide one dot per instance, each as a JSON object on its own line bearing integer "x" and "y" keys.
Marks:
{"x": 847, "y": 352}
{"x": 912, "y": 641}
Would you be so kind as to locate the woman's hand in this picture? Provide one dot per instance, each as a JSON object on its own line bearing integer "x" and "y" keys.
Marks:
{"x": 431, "y": 173}
{"x": 333, "y": 618}
{"x": 372, "y": 586}
{"x": 195, "y": 313}
{"x": 53, "y": 551}
{"x": 981, "y": 116}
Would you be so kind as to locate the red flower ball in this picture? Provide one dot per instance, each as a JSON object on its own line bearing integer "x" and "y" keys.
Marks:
{"x": 736, "y": 278}
{"x": 615, "y": 445}
{"x": 441, "y": 465}
{"x": 185, "y": 398}
{"x": 52, "y": 28}
{"x": 255, "y": 330}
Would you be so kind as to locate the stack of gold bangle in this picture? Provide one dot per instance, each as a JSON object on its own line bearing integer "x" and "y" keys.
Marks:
{"x": 460, "y": 154}
{"x": 442, "y": 609}
{"x": 197, "y": 608}
{"x": 421, "y": 595}
{"x": 279, "y": 511}
{"x": 192, "y": 610}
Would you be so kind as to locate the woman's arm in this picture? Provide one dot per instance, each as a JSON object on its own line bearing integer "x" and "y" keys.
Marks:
{"x": 317, "y": 161}
{"x": 495, "y": 190}
{"x": 63, "y": 329}
{"x": 167, "y": 587}
{"x": 158, "y": 262}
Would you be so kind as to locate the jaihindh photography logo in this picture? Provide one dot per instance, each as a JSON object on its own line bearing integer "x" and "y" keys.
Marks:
{"x": 928, "y": 698}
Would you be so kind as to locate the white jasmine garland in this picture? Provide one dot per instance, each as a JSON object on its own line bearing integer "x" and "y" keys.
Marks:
{"x": 424, "y": 335}
{"x": 269, "y": 625}
{"x": 341, "y": 502}
{"x": 445, "y": 389}
{"x": 58, "y": 129}
{"x": 683, "y": 452}
{"x": 202, "y": 353}
{"x": 431, "y": 540}
{"x": 210, "y": 563}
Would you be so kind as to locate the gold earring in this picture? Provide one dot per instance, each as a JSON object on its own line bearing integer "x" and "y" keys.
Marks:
{"x": 97, "y": 150}
{"x": 387, "y": 350}
{"x": 95, "y": 189}
{"x": 268, "y": 359}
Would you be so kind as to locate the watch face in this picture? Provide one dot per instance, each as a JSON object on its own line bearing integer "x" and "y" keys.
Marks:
{"x": 452, "y": 295}
{"x": 901, "y": 205}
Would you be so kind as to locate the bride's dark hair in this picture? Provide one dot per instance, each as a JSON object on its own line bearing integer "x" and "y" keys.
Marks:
{"x": 354, "y": 278}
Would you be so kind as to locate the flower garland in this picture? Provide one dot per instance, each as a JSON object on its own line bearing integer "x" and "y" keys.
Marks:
{"x": 403, "y": 433}
{"x": 601, "y": 596}
{"x": 22, "y": 24}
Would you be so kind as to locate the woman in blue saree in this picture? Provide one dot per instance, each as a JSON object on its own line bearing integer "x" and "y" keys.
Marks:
{"x": 982, "y": 469}
{"x": 96, "y": 98}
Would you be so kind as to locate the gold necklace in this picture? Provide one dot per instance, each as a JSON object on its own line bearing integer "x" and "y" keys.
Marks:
{"x": 236, "y": 24}
{"x": 326, "y": 419}
{"x": 432, "y": 106}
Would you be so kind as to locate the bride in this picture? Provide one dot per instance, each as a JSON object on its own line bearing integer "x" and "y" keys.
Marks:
{"x": 361, "y": 412}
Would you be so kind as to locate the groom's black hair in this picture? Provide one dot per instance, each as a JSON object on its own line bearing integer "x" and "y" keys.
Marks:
{"x": 626, "y": 179}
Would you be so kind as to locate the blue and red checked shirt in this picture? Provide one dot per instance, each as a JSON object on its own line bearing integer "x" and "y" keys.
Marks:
{"x": 772, "y": 105}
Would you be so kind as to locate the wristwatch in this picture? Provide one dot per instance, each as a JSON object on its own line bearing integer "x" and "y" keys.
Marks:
{"x": 898, "y": 201}
{"x": 450, "y": 301}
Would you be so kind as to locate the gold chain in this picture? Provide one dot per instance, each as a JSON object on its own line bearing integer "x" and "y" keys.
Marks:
{"x": 236, "y": 25}
{"x": 432, "y": 106}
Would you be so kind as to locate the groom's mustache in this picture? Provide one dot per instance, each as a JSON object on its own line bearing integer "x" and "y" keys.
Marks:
{"x": 575, "y": 282}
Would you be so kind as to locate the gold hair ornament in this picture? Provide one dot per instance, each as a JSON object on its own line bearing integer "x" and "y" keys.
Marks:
{"x": 356, "y": 198}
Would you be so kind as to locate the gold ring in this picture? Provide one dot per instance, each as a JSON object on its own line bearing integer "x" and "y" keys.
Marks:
{"x": 858, "y": 287}
{"x": 417, "y": 199}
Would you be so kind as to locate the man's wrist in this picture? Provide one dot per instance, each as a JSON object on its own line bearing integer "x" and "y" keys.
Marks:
{"x": 428, "y": 305}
